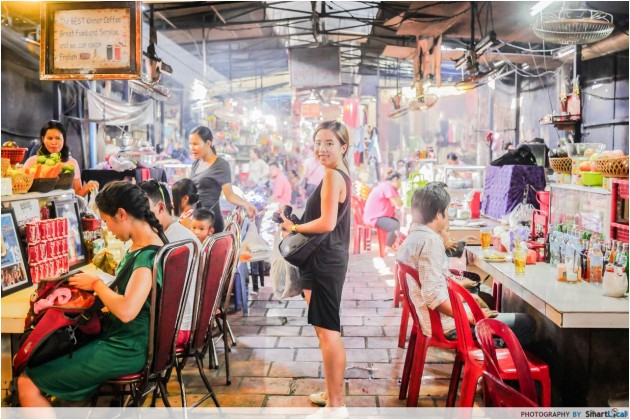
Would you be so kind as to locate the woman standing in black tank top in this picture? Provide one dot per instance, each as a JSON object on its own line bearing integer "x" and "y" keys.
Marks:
{"x": 323, "y": 276}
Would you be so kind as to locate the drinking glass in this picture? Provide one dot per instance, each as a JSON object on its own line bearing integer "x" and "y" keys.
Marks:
{"x": 519, "y": 255}
{"x": 485, "y": 238}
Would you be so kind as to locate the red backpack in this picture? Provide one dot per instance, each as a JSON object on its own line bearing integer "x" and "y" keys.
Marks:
{"x": 57, "y": 329}
{"x": 54, "y": 330}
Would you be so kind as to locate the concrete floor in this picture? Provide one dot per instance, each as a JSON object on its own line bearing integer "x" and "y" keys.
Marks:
{"x": 277, "y": 362}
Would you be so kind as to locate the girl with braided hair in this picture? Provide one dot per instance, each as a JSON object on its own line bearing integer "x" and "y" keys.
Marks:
{"x": 121, "y": 348}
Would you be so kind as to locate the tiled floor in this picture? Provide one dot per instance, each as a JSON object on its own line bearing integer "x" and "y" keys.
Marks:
{"x": 277, "y": 363}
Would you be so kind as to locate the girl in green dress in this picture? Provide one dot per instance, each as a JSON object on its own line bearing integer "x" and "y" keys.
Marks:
{"x": 122, "y": 346}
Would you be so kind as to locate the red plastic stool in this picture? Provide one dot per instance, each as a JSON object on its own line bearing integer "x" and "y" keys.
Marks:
{"x": 382, "y": 241}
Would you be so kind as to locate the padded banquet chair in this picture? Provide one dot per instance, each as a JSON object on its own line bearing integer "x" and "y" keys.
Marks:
{"x": 225, "y": 331}
{"x": 470, "y": 357}
{"x": 418, "y": 342}
{"x": 361, "y": 232}
{"x": 167, "y": 308}
{"x": 214, "y": 269}
{"x": 495, "y": 392}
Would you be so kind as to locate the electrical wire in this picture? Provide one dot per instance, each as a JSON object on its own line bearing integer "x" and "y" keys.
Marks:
{"x": 542, "y": 83}
{"x": 605, "y": 98}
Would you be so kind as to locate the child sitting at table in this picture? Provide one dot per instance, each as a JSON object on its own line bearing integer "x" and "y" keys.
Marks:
{"x": 185, "y": 199}
{"x": 202, "y": 223}
{"x": 423, "y": 249}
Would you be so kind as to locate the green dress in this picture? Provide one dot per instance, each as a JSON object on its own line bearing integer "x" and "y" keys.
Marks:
{"x": 120, "y": 350}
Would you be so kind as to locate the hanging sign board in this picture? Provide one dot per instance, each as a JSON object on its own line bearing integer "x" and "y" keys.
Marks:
{"x": 312, "y": 67}
{"x": 92, "y": 40}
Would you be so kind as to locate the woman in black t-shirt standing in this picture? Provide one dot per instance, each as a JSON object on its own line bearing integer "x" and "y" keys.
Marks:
{"x": 211, "y": 175}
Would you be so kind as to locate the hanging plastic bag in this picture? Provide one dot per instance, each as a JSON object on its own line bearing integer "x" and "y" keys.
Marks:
{"x": 521, "y": 215}
{"x": 254, "y": 247}
{"x": 92, "y": 207}
{"x": 285, "y": 278}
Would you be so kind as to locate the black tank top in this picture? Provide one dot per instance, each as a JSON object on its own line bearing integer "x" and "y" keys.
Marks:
{"x": 339, "y": 238}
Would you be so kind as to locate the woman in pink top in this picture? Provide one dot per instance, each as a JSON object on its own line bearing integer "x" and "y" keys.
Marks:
{"x": 380, "y": 207}
{"x": 53, "y": 140}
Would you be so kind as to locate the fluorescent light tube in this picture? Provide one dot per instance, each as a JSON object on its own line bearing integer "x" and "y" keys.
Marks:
{"x": 564, "y": 51}
{"x": 539, "y": 7}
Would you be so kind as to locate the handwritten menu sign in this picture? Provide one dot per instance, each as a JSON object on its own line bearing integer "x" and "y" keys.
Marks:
{"x": 95, "y": 40}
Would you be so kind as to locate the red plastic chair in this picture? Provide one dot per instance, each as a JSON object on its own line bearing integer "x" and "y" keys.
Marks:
{"x": 398, "y": 297}
{"x": 214, "y": 272}
{"x": 382, "y": 240}
{"x": 497, "y": 393}
{"x": 470, "y": 357}
{"x": 362, "y": 233}
{"x": 167, "y": 307}
{"x": 418, "y": 342}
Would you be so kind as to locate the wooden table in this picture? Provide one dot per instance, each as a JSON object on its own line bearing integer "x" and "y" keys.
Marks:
{"x": 580, "y": 333}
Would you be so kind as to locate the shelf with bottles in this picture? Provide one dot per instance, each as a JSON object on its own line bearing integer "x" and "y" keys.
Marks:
{"x": 587, "y": 208}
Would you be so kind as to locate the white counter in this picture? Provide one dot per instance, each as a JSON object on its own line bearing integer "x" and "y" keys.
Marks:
{"x": 568, "y": 305}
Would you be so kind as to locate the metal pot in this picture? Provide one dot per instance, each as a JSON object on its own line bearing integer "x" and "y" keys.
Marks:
{"x": 147, "y": 160}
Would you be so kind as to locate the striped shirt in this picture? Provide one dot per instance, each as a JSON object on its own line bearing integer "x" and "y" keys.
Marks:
{"x": 423, "y": 249}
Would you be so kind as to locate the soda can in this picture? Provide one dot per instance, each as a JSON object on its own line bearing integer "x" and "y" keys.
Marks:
{"x": 48, "y": 230}
{"x": 66, "y": 263}
{"x": 34, "y": 268}
{"x": 60, "y": 223}
{"x": 53, "y": 227}
{"x": 65, "y": 226}
{"x": 44, "y": 213}
{"x": 33, "y": 254}
{"x": 43, "y": 254}
{"x": 31, "y": 230}
{"x": 58, "y": 266}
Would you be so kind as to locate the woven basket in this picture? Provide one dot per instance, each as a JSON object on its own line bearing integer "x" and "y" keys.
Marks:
{"x": 21, "y": 183}
{"x": 15, "y": 154}
{"x": 6, "y": 164}
{"x": 65, "y": 181}
{"x": 561, "y": 165}
{"x": 613, "y": 167}
{"x": 44, "y": 185}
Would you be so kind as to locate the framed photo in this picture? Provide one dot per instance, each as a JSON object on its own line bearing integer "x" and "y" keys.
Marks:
{"x": 76, "y": 250}
{"x": 15, "y": 275}
{"x": 90, "y": 40}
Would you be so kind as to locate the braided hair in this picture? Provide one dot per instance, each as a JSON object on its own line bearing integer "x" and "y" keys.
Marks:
{"x": 124, "y": 195}
{"x": 180, "y": 189}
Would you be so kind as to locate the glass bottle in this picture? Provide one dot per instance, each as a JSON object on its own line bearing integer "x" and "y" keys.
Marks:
{"x": 596, "y": 264}
{"x": 548, "y": 245}
{"x": 613, "y": 252}
{"x": 584, "y": 261}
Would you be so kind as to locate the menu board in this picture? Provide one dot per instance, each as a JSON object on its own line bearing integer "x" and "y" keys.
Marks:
{"x": 94, "y": 40}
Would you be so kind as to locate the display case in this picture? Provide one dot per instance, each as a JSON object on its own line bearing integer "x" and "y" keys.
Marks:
{"x": 585, "y": 207}
{"x": 425, "y": 167}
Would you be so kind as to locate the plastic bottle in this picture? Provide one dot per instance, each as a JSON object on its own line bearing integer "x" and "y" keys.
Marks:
{"x": 596, "y": 264}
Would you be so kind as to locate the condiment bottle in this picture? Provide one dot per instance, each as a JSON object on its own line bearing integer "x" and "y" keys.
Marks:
{"x": 596, "y": 264}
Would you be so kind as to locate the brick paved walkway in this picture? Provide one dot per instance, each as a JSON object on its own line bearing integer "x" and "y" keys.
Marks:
{"x": 277, "y": 362}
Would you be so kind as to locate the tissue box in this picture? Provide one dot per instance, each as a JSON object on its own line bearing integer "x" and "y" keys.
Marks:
{"x": 6, "y": 187}
{"x": 505, "y": 185}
